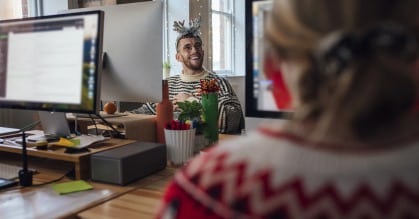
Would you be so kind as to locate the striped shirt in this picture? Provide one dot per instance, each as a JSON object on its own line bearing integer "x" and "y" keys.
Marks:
{"x": 230, "y": 115}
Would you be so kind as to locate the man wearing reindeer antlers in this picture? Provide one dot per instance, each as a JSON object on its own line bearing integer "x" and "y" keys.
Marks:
{"x": 186, "y": 85}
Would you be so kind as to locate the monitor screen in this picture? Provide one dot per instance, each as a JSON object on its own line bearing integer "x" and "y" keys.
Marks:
{"x": 52, "y": 63}
{"x": 260, "y": 101}
{"x": 133, "y": 44}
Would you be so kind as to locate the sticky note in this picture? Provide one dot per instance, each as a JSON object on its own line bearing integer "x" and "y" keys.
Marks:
{"x": 70, "y": 187}
{"x": 68, "y": 142}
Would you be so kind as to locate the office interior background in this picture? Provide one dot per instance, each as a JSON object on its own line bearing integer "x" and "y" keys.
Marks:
{"x": 222, "y": 29}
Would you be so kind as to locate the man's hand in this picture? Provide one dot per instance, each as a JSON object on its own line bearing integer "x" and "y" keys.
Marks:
{"x": 182, "y": 97}
{"x": 198, "y": 92}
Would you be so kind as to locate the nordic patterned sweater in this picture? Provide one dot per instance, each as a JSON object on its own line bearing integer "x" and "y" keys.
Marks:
{"x": 272, "y": 174}
{"x": 230, "y": 115}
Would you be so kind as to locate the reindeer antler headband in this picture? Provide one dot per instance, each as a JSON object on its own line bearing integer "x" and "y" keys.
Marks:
{"x": 192, "y": 30}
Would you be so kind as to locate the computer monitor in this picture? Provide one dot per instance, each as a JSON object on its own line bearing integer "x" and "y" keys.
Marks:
{"x": 260, "y": 101}
{"x": 52, "y": 63}
{"x": 133, "y": 44}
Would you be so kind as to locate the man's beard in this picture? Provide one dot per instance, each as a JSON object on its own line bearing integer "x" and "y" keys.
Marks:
{"x": 187, "y": 62}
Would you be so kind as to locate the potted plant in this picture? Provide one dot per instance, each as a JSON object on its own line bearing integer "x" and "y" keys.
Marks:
{"x": 193, "y": 112}
{"x": 166, "y": 69}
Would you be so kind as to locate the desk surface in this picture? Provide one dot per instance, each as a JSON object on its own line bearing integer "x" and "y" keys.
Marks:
{"x": 42, "y": 202}
{"x": 136, "y": 200}
{"x": 141, "y": 202}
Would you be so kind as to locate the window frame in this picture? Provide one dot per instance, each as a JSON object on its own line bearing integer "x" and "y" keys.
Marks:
{"x": 228, "y": 15}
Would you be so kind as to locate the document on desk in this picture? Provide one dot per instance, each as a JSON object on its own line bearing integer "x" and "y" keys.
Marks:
{"x": 79, "y": 142}
{"x": 44, "y": 202}
{"x": 8, "y": 130}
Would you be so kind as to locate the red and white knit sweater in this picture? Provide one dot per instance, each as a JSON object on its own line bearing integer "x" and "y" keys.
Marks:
{"x": 275, "y": 175}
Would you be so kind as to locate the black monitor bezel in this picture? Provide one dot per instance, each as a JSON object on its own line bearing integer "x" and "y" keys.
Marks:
{"x": 251, "y": 102}
{"x": 58, "y": 107}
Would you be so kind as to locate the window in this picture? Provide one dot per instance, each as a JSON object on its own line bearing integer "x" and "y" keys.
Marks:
{"x": 222, "y": 36}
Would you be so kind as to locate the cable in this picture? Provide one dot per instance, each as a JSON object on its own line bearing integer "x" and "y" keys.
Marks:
{"x": 40, "y": 184}
{"x": 115, "y": 132}
{"x": 55, "y": 180}
{"x": 94, "y": 123}
{"x": 76, "y": 130}
{"x": 30, "y": 126}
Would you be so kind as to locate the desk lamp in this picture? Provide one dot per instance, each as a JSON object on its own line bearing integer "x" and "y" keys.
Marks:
{"x": 25, "y": 175}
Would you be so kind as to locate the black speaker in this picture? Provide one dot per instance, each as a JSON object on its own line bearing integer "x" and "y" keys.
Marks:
{"x": 125, "y": 164}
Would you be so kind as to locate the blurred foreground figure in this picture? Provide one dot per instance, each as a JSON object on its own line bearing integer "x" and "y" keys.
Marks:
{"x": 351, "y": 149}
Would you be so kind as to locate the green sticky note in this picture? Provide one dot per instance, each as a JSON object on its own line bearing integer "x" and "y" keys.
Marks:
{"x": 75, "y": 141}
{"x": 72, "y": 186}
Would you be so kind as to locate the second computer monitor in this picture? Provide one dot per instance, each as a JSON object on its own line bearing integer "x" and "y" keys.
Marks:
{"x": 133, "y": 44}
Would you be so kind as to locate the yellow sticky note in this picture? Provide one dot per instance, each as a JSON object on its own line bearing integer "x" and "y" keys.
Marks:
{"x": 68, "y": 142}
{"x": 72, "y": 186}
{"x": 65, "y": 142}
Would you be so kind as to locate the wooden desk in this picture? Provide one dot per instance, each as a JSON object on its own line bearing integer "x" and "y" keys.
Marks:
{"x": 136, "y": 200}
{"x": 42, "y": 202}
{"x": 80, "y": 161}
{"x": 141, "y": 202}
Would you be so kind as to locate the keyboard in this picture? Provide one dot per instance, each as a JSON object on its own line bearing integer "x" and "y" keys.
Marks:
{"x": 7, "y": 130}
{"x": 10, "y": 172}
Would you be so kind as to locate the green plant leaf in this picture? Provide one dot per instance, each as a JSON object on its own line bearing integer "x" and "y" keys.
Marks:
{"x": 189, "y": 110}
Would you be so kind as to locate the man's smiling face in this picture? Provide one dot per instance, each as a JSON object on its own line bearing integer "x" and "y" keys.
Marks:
{"x": 190, "y": 53}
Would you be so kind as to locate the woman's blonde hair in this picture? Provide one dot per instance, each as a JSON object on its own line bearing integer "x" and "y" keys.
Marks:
{"x": 372, "y": 87}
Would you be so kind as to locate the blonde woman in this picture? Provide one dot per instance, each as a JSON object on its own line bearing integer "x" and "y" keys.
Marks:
{"x": 351, "y": 149}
